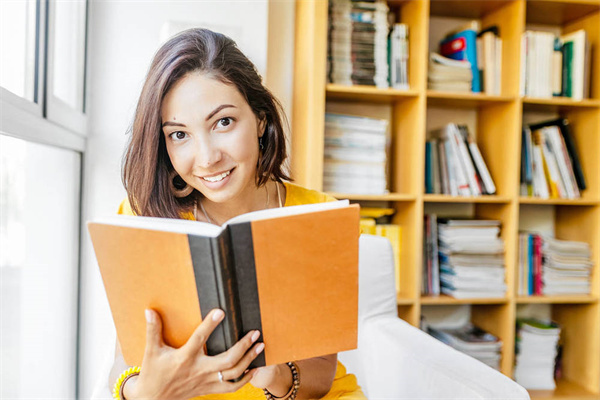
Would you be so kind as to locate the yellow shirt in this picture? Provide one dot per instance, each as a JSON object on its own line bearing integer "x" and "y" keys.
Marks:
{"x": 344, "y": 385}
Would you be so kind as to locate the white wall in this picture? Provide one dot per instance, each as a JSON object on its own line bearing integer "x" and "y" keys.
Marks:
{"x": 123, "y": 36}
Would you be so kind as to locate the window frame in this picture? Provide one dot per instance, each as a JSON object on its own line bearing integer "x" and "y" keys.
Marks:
{"x": 56, "y": 110}
{"x": 30, "y": 120}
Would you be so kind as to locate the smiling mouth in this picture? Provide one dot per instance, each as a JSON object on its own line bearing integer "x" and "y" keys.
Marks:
{"x": 217, "y": 178}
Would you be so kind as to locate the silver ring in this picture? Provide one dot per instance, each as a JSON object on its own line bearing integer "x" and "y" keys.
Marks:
{"x": 220, "y": 376}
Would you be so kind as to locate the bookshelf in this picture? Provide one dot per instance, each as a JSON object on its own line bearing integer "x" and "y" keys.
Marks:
{"x": 496, "y": 124}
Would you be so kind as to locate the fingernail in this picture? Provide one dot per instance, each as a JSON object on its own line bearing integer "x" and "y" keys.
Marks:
{"x": 254, "y": 373}
{"x": 148, "y": 316}
{"x": 217, "y": 315}
{"x": 260, "y": 348}
{"x": 255, "y": 336}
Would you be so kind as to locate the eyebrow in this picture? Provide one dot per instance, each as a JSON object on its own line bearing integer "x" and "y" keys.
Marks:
{"x": 216, "y": 110}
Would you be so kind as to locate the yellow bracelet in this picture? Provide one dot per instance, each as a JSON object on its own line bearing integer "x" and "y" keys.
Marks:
{"x": 118, "y": 388}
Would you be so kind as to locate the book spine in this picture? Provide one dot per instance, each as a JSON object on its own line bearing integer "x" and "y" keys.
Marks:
{"x": 565, "y": 130}
{"x": 242, "y": 247}
{"x": 215, "y": 284}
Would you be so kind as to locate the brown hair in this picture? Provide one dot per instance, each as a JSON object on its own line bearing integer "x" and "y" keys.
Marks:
{"x": 146, "y": 164}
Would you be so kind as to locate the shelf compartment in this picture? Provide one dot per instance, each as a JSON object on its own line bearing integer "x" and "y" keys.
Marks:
{"x": 464, "y": 99}
{"x": 374, "y": 197}
{"x": 559, "y": 12}
{"x": 442, "y": 198}
{"x": 566, "y": 299}
{"x": 448, "y": 300}
{"x": 563, "y": 202}
{"x": 565, "y": 390}
{"x": 366, "y": 93}
{"x": 494, "y": 127}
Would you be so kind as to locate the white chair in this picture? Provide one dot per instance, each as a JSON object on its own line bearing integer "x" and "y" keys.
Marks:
{"x": 395, "y": 360}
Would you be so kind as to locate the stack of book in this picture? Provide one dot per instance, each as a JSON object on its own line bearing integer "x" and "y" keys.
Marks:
{"x": 463, "y": 258}
{"x": 454, "y": 165}
{"x": 481, "y": 53}
{"x": 358, "y": 38}
{"x": 536, "y": 346}
{"x": 355, "y": 154}
{"x": 550, "y": 266}
{"x": 472, "y": 341}
{"x": 555, "y": 66}
{"x": 550, "y": 166}
{"x": 446, "y": 74}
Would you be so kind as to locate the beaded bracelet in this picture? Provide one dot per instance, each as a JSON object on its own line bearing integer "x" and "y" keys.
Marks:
{"x": 291, "y": 395}
{"x": 120, "y": 383}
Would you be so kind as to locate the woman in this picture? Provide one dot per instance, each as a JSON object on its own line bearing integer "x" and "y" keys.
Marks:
{"x": 207, "y": 144}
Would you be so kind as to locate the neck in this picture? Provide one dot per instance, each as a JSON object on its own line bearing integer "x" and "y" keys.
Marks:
{"x": 256, "y": 200}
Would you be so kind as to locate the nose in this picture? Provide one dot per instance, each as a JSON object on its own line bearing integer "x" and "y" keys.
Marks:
{"x": 208, "y": 153}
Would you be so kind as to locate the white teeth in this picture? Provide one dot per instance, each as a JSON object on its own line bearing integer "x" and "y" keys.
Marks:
{"x": 216, "y": 178}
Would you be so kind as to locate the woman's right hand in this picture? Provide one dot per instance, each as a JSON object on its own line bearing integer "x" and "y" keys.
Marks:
{"x": 170, "y": 373}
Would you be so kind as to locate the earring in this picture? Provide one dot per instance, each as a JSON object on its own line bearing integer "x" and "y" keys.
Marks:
{"x": 183, "y": 192}
{"x": 260, "y": 143}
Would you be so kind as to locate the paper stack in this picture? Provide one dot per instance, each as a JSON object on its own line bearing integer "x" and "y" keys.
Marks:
{"x": 358, "y": 52}
{"x": 566, "y": 267}
{"x": 472, "y": 341}
{"x": 471, "y": 258}
{"x": 355, "y": 154}
{"x": 536, "y": 354}
{"x": 446, "y": 74}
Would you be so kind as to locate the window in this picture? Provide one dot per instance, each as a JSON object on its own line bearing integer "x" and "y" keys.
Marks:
{"x": 39, "y": 254}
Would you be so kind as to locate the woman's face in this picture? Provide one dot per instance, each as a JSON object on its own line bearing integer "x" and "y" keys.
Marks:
{"x": 212, "y": 137}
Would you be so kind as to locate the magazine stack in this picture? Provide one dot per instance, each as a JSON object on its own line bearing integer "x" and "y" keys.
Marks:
{"x": 355, "y": 155}
{"x": 471, "y": 258}
{"x": 537, "y": 348}
{"x": 472, "y": 341}
{"x": 549, "y": 266}
{"x": 358, "y": 36}
{"x": 446, "y": 74}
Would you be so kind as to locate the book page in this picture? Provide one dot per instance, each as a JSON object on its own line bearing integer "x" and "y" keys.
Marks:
{"x": 287, "y": 211}
{"x": 162, "y": 224}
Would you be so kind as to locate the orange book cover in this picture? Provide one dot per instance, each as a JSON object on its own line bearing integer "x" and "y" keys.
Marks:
{"x": 291, "y": 273}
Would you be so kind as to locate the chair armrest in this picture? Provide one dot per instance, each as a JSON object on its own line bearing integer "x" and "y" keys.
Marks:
{"x": 403, "y": 362}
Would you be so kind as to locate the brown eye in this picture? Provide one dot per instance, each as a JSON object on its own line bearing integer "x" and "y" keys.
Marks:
{"x": 178, "y": 135}
{"x": 224, "y": 122}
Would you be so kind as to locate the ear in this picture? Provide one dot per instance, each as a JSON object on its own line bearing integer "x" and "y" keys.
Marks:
{"x": 262, "y": 124}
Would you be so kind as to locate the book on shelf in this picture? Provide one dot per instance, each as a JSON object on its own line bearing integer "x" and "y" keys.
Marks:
{"x": 431, "y": 269}
{"x": 472, "y": 341}
{"x": 489, "y": 59}
{"x": 248, "y": 268}
{"x": 555, "y": 65}
{"x": 454, "y": 165}
{"x": 549, "y": 266}
{"x": 398, "y": 56}
{"x": 536, "y": 353}
{"x": 550, "y": 166}
{"x": 355, "y": 154}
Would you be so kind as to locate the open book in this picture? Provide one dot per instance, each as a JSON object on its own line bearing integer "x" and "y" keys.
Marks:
{"x": 291, "y": 273}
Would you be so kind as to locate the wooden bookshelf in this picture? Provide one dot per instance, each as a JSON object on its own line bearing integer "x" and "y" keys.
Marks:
{"x": 496, "y": 123}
